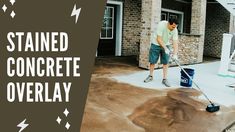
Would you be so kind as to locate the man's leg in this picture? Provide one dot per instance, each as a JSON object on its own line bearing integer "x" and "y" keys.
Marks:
{"x": 153, "y": 58}
{"x": 165, "y": 70}
{"x": 164, "y": 80}
{"x": 165, "y": 60}
{"x": 150, "y": 76}
{"x": 152, "y": 66}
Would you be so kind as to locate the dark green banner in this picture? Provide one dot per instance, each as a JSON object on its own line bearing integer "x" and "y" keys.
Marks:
{"x": 47, "y": 54}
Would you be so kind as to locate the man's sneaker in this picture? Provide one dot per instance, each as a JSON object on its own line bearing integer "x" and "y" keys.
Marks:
{"x": 166, "y": 83}
{"x": 148, "y": 79}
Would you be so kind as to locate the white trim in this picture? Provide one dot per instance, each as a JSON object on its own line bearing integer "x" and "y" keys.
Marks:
{"x": 183, "y": 1}
{"x": 225, "y": 55}
{"x": 164, "y": 15}
{"x": 176, "y": 12}
{"x": 213, "y": 2}
{"x": 172, "y": 11}
{"x": 118, "y": 48}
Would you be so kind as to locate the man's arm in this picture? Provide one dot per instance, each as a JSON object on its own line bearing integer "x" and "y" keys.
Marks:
{"x": 175, "y": 50}
{"x": 175, "y": 47}
{"x": 175, "y": 42}
{"x": 160, "y": 42}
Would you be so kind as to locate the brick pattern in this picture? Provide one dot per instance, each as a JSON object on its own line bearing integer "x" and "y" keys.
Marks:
{"x": 217, "y": 23}
{"x": 198, "y": 16}
{"x": 150, "y": 16}
{"x": 131, "y": 27}
{"x": 188, "y": 48}
{"x": 198, "y": 20}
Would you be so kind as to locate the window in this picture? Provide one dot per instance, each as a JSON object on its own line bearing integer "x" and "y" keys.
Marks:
{"x": 107, "y": 26}
{"x": 163, "y": 16}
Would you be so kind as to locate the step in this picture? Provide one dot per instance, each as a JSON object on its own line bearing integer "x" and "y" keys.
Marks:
{"x": 232, "y": 66}
{"x": 232, "y": 62}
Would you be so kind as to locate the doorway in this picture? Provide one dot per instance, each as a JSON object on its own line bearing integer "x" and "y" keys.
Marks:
{"x": 110, "y": 41}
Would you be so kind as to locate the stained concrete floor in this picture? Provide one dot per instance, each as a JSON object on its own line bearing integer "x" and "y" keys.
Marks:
{"x": 117, "y": 106}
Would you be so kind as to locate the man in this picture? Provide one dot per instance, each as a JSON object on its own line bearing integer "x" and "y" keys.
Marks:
{"x": 166, "y": 34}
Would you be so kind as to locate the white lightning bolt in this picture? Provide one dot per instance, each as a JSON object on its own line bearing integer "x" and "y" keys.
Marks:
{"x": 22, "y": 125}
{"x": 76, "y": 12}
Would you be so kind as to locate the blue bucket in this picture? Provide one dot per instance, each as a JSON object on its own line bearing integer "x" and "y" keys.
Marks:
{"x": 185, "y": 81}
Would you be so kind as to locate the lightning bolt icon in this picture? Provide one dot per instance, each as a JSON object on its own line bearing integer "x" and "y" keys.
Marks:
{"x": 22, "y": 125}
{"x": 76, "y": 12}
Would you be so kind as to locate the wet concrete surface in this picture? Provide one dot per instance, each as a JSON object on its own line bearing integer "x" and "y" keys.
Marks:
{"x": 118, "y": 107}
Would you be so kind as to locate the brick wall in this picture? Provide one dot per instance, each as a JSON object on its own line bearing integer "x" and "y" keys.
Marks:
{"x": 131, "y": 27}
{"x": 198, "y": 22}
{"x": 150, "y": 16}
{"x": 217, "y": 23}
{"x": 188, "y": 48}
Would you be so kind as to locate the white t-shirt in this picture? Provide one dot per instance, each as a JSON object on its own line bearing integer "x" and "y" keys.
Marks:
{"x": 163, "y": 31}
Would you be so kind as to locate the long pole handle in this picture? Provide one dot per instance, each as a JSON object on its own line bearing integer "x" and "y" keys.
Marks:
{"x": 231, "y": 57}
{"x": 192, "y": 80}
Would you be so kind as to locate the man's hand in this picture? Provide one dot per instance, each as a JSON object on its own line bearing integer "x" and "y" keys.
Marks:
{"x": 167, "y": 51}
{"x": 174, "y": 57}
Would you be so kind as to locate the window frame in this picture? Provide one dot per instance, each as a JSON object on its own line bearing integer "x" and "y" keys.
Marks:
{"x": 112, "y": 28}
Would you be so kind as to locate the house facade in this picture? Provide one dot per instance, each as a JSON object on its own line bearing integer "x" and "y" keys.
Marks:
{"x": 128, "y": 25}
